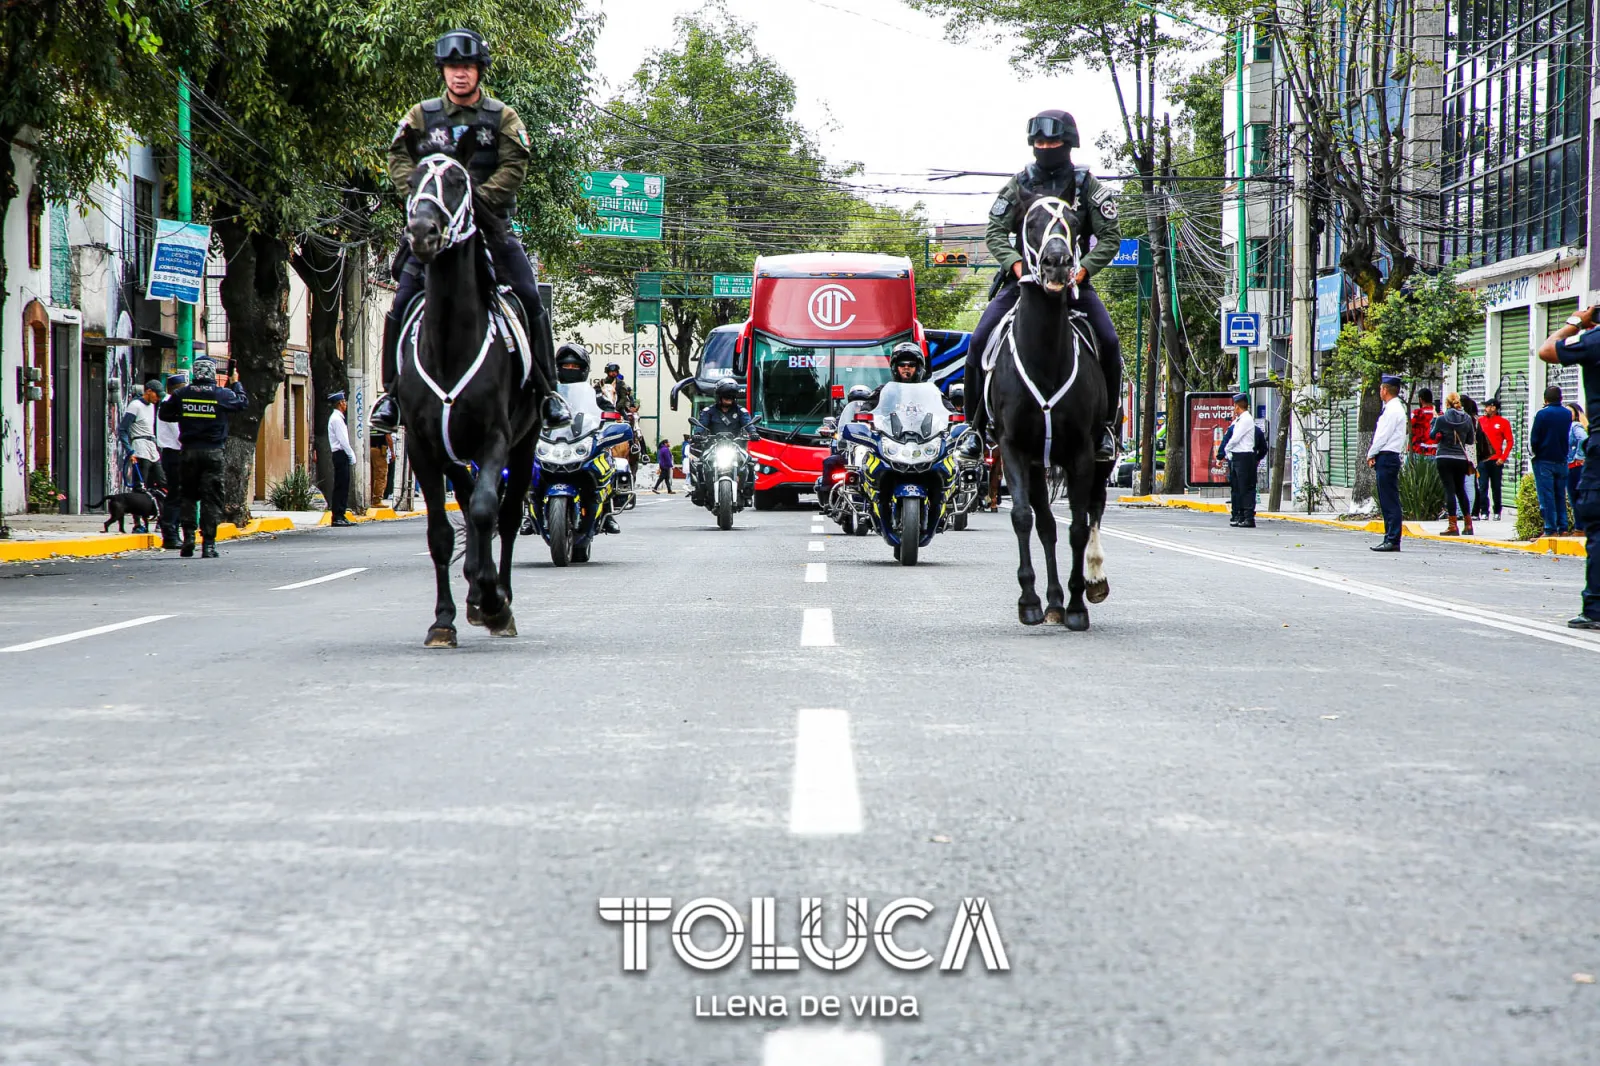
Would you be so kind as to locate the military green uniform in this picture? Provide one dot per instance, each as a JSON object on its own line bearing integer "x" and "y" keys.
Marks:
{"x": 1093, "y": 213}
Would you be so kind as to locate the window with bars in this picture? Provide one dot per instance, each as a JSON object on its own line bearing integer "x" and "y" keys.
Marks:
{"x": 216, "y": 314}
{"x": 144, "y": 230}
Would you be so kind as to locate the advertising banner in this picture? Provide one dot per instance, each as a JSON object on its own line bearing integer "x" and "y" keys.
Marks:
{"x": 1205, "y": 420}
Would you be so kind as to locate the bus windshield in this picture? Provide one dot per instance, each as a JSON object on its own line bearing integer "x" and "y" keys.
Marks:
{"x": 793, "y": 383}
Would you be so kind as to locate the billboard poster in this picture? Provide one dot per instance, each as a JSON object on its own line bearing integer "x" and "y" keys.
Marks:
{"x": 1206, "y": 416}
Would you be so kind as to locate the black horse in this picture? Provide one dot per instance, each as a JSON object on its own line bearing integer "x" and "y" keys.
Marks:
{"x": 1046, "y": 397}
{"x": 471, "y": 384}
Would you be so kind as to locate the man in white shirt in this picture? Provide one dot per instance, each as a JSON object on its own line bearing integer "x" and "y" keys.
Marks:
{"x": 343, "y": 457}
{"x": 139, "y": 422}
{"x": 170, "y": 442}
{"x": 1240, "y": 448}
{"x": 1388, "y": 445}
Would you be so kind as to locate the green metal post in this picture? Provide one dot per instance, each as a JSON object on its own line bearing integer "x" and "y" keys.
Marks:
{"x": 185, "y": 214}
{"x": 1244, "y": 241}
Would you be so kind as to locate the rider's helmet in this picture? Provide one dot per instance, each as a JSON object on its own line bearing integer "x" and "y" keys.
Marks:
{"x": 203, "y": 372}
{"x": 572, "y": 364}
{"x": 858, "y": 394}
{"x": 1053, "y": 125}
{"x": 727, "y": 389}
{"x": 461, "y": 46}
{"x": 908, "y": 354}
{"x": 613, "y": 368}
{"x": 956, "y": 394}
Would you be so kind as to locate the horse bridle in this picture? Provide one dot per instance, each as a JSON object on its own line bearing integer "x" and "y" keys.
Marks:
{"x": 1059, "y": 228}
{"x": 431, "y": 190}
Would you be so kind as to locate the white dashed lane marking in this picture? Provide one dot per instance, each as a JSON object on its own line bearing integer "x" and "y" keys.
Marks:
{"x": 129, "y": 624}
{"x": 824, "y": 799}
{"x": 816, "y": 572}
{"x": 816, "y": 628}
{"x": 320, "y": 580}
{"x": 812, "y": 1047}
{"x": 814, "y": 546}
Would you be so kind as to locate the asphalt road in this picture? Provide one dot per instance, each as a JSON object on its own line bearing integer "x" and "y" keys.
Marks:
{"x": 1286, "y": 802}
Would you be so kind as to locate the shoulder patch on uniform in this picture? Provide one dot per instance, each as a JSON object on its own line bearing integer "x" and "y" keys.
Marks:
{"x": 1000, "y": 207}
{"x": 434, "y": 104}
{"x": 400, "y": 128}
{"x": 1109, "y": 209}
{"x": 1100, "y": 193}
{"x": 489, "y": 103}
{"x": 522, "y": 136}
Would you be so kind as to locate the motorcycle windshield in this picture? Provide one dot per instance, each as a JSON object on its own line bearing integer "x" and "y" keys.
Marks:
{"x": 913, "y": 412}
{"x": 585, "y": 414}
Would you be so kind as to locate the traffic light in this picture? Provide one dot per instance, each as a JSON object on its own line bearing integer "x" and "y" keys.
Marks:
{"x": 950, "y": 259}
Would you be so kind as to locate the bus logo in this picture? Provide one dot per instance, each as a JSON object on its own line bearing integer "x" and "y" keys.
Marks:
{"x": 827, "y": 307}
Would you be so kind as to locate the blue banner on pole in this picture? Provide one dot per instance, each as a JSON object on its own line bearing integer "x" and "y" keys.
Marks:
{"x": 1330, "y": 289}
{"x": 1127, "y": 253}
{"x": 178, "y": 262}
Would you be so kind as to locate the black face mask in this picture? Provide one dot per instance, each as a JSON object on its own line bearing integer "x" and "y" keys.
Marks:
{"x": 1053, "y": 159}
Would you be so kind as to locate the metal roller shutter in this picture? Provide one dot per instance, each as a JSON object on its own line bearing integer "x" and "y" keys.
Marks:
{"x": 1569, "y": 378}
{"x": 1513, "y": 390}
{"x": 1470, "y": 377}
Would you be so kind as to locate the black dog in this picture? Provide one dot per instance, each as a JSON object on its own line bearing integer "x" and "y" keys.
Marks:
{"x": 143, "y": 504}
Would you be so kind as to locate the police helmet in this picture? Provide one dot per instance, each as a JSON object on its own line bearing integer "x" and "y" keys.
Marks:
{"x": 1053, "y": 125}
{"x": 908, "y": 353}
{"x": 613, "y": 368}
{"x": 858, "y": 393}
{"x": 461, "y": 46}
{"x": 576, "y": 357}
{"x": 956, "y": 393}
{"x": 727, "y": 389}
{"x": 203, "y": 372}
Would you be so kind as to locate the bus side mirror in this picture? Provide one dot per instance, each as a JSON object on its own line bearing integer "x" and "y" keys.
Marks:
{"x": 741, "y": 359}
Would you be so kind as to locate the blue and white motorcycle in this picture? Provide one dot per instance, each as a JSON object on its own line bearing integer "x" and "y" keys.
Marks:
{"x": 574, "y": 477}
{"x": 909, "y": 473}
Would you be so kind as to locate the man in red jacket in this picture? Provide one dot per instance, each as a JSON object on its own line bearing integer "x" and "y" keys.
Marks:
{"x": 1498, "y": 434}
{"x": 1422, "y": 442}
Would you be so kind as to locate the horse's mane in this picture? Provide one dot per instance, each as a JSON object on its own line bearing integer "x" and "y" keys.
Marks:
{"x": 491, "y": 231}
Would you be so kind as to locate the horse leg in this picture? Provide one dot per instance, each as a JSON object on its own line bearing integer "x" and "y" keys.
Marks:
{"x": 1020, "y": 477}
{"x": 442, "y": 547}
{"x": 1078, "y": 490}
{"x": 512, "y": 502}
{"x": 1095, "y": 559}
{"x": 482, "y": 517}
{"x": 1039, "y": 501}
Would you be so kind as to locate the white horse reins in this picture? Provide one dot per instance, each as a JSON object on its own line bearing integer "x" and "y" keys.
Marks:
{"x": 461, "y": 227}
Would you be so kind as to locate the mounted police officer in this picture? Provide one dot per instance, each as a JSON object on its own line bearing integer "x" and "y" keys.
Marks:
{"x": 1093, "y": 213}
{"x": 498, "y": 165}
{"x": 201, "y": 411}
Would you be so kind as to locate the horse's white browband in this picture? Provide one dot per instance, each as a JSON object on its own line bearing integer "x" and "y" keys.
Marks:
{"x": 431, "y": 190}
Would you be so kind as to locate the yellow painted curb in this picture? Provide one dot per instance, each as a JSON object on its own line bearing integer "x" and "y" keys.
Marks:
{"x": 89, "y": 547}
{"x": 374, "y": 514}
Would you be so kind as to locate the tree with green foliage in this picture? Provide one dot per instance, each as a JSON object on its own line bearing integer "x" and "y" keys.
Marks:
{"x": 1415, "y": 333}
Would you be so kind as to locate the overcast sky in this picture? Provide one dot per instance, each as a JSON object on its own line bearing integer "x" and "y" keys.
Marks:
{"x": 880, "y": 86}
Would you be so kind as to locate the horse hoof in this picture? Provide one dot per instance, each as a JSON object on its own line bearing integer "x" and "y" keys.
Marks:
{"x": 440, "y": 637}
{"x": 1029, "y": 614}
{"x": 1077, "y": 621}
{"x": 1053, "y": 616}
{"x": 1097, "y": 591}
{"x": 474, "y": 615}
{"x": 502, "y": 625}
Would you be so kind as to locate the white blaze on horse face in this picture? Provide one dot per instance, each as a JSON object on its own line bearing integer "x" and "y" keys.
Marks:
{"x": 1094, "y": 557}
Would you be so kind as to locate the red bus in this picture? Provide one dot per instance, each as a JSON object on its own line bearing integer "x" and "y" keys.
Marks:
{"x": 820, "y": 323}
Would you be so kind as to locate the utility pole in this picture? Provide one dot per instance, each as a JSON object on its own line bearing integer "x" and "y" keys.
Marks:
{"x": 185, "y": 214}
{"x": 1244, "y": 242}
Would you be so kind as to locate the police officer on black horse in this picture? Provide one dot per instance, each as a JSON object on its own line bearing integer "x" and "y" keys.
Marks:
{"x": 1093, "y": 213}
{"x": 498, "y": 165}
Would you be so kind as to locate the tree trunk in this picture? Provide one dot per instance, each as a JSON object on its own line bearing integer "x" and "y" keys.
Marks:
{"x": 1280, "y": 452}
{"x": 353, "y": 331}
{"x": 319, "y": 269}
{"x": 255, "y": 293}
{"x": 8, "y": 193}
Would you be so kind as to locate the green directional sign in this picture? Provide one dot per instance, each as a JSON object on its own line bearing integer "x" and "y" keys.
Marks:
{"x": 733, "y": 286}
{"x": 631, "y": 227}
{"x": 624, "y": 194}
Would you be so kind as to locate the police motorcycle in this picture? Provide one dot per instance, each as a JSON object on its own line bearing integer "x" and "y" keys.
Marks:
{"x": 837, "y": 497}
{"x": 909, "y": 473}
{"x": 970, "y": 470}
{"x": 725, "y": 481}
{"x": 574, "y": 482}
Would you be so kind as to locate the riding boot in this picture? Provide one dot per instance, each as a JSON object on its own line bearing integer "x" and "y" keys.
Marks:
{"x": 1105, "y": 449}
{"x": 385, "y": 417}
{"x": 528, "y": 529}
{"x": 187, "y": 551}
{"x": 209, "y": 551}
{"x": 609, "y": 524}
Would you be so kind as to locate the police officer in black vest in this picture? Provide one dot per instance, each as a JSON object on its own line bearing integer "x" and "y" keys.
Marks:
{"x": 1053, "y": 135}
{"x": 498, "y": 165}
{"x": 201, "y": 410}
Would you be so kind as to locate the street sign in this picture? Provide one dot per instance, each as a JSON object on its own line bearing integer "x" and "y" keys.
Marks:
{"x": 1329, "y": 290}
{"x": 1241, "y": 329}
{"x": 630, "y": 227}
{"x": 1127, "y": 253}
{"x": 646, "y": 313}
{"x": 645, "y": 363}
{"x": 178, "y": 261}
{"x": 625, "y": 194}
{"x": 733, "y": 286}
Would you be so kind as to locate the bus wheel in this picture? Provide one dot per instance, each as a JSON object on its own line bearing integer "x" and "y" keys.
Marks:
{"x": 767, "y": 500}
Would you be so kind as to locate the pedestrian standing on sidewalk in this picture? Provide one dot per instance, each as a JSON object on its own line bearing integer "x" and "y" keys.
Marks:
{"x": 170, "y": 444}
{"x": 1422, "y": 439}
{"x": 139, "y": 423}
{"x": 1388, "y": 444}
{"x": 663, "y": 466}
{"x": 1547, "y": 440}
{"x": 1497, "y": 434}
{"x": 343, "y": 458}
{"x": 1239, "y": 447}
{"x": 378, "y": 445}
{"x": 201, "y": 410}
{"x": 1480, "y": 448}
{"x": 1577, "y": 343}
{"x": 1455, "y": 439}
{"x": 1577, "y": 441}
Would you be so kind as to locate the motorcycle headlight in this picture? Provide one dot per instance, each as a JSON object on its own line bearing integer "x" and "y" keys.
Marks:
{"x": 582, "y": 449}
{"x": 544, "y": 449}
{"x": 891, "y": 448}
{"x": 725, "y": 458}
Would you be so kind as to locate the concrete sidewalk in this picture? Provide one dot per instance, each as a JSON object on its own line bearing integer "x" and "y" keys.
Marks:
{"x": 1486, "y": 534}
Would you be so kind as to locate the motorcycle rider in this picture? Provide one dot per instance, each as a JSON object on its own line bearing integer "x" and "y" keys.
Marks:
{"x": 1093, "y": 213}
{"x": 572, "y": 368}
{"x": 724, "y": 417}
{"x": 907, "y": 366}
{"x": 616, "y": 387}
{"x": 498, "y": 166}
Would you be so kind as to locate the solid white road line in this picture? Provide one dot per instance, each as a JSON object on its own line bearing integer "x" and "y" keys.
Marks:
{"x": 816, "y": 572}
{"x": 80, "y": 634}
{"x": 824, "y": 798}
{"x": 1465, "y": 612}
{"x": 816, "y": 628}
{"x": 320, "y": 580}
{"x": 811, "y": 1047}
{"x": 814, "y": 546}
